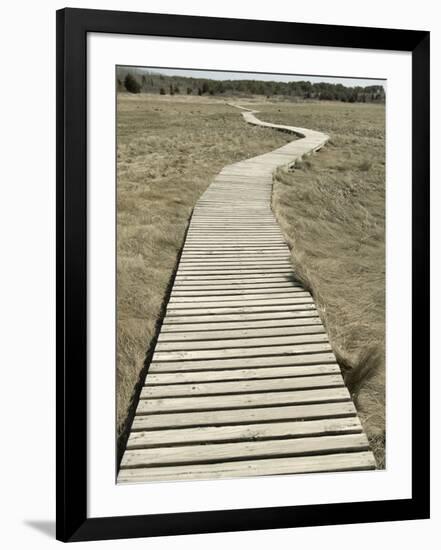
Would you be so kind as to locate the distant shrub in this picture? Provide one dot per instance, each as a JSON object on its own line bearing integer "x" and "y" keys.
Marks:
{"x": 189, "y": 90}
{"x": 162, "y": 91}
{"x": 131, "y": 84}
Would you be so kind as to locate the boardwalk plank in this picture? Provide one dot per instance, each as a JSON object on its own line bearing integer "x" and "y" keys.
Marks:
{"x": 307, "y": 318}
{"x": 242, "y": 342}
{"x": 249, "y": 432}
{"x": 243, "y": 362}
{"x": 235, "y": 294}
{"x": 241, "y": 401}
{"x": 239, "y": 287}
{"x": 276, "y": 350}
{"x": 307, "y": 305}
{"x": 247, "y": 468}
{"x": 293, "y": 312}
{"x": 195, "y": 377}
{"x": 285, "y": 276}
{"x": 240, "y": 302}
{"x": 248, "y": 386}
{"x": 220, "y": 452}
{"x": 239, "y": 334}
{"x": 243, "y": 416}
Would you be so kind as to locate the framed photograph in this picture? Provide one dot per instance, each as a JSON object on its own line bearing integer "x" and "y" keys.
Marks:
{"x": 242, "y": 275}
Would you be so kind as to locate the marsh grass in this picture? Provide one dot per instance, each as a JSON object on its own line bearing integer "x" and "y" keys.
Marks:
{"x": 331, "y": 207}
{"x": 168, "y": 150}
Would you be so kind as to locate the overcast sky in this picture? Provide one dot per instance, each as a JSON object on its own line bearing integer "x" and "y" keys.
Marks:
{"x": 221, "y": 75}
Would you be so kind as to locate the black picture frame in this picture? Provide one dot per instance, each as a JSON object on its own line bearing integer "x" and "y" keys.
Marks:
{"x": 72, "y": 28}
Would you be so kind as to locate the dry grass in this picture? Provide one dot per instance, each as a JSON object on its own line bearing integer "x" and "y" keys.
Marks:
{"x": 331, "y": 207}
{"x": 168, "y": 151}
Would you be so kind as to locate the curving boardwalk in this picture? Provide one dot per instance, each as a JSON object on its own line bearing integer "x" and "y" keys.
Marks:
{"x": 243, "y": 381}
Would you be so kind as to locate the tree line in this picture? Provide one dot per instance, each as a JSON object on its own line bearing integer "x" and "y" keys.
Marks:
{"x": 137, "y": 81}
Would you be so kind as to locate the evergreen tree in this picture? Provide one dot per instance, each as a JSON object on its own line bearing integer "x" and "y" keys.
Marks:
{"x": 131, "y": 84}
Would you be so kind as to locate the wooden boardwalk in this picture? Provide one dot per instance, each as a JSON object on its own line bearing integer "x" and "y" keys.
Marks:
{"x": 243, "y": 381}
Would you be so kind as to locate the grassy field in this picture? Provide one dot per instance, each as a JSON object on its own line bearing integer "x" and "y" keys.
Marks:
{"x": 331, "y": 207}
{"x": 168, "y": 151}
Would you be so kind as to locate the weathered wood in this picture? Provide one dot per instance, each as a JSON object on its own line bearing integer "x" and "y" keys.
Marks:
{"x": 242, "y": 342}
{"x": 221, "y": 269}
{"x": 239, "y": 302}
{"x": 249, "y": 432}
{"x": 235, "y": 294}
{"x": 246, "y": 468}
{"x": 243, "y": 362}
{"x": 221, "y": 257}
{"x": 306, "y": 319}
{"x": 243, "y": 309}
{"x": 215, "y": 258}
{"x": 276, "y": 350}
{"x": 247, "y": 288}
{"x": 195, "y": 377}
{"x": 218, "y": 273}
{"x": 241, "y": 401}
{"x": 239, "y": 334}
{"x": 234, "y": 283}
{"x": 243, "y": 416}
{"x": 220, "y": 452}
{"x": 307, "y": 310}
{"x": 248, "y": 386}
{"x": 225, "y": 265}
{"x": 239, "y": 277}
